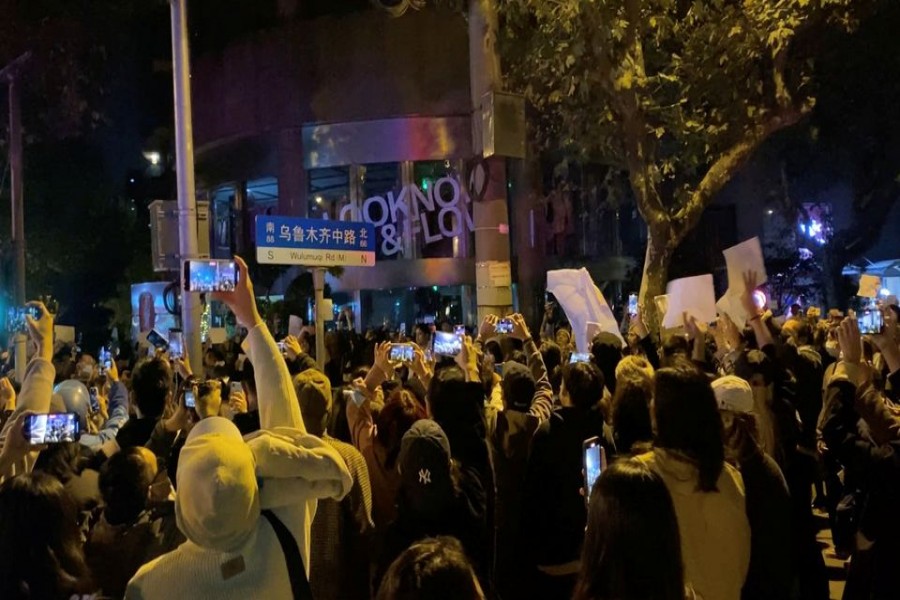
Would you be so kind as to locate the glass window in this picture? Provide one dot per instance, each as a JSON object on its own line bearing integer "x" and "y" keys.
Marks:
{"x": 384, "y": 180}
{"x": 403, "y": 308}
{"x": 262, "y": 199}
{"x": 329, "y": 192}
{"x": 221, "y": 207}
{"x": 444, "y": 228}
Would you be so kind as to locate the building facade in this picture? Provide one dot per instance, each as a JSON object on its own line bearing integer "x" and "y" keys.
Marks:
{"x": 361, "y": 116}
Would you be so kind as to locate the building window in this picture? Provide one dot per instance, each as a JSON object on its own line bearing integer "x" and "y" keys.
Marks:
{"x": 444, "y": 228}
{"x": 329, "y": 192}
{"x": 261, "y": 200}
{"x": 221, "y": 203}
{"x": 384, "y": 180}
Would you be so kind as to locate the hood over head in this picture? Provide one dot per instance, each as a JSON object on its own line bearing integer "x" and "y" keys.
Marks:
{"x": 217, "y": 504}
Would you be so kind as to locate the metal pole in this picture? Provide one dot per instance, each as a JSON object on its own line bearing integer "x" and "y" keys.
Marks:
{"x": 319, "y": 287}
{"x": 184, "y": 162}
{"x": 18, "y": 214}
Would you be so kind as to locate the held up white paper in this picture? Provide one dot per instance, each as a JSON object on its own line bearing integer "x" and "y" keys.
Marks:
{"x": 746, "y": 256}
{"x": 695, "y": 296}
{"x": 869, "y": 286}
{"x": 583, "y": 303}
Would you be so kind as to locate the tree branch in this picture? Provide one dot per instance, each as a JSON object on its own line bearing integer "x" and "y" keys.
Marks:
{"x": 721, "y": 171}
{"x": 782, "y": 94}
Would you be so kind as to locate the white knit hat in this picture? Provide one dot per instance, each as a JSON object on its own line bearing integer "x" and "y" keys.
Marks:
{"x": 217, "y": 501}
{"x": 734, "y": 394}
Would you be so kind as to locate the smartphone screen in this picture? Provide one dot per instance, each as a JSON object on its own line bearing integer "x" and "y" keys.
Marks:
{"x": 190, "y": 399}
{"x": 504, "y": 326}
{"x": 459, "y": 330}
{"x": 447, "y": 344}
{"x": 52, "y": 428}
{"x": 15, "y": 317}
{"x": 236, "y": 387}
{"x": 104, "y": 357}
{"x": 210, "y": 275}
{"x": 632, "y": 304}
{"x": 579, "y": 357}
{"x": 95, "y": 399}
{"x": 593, "y": 455}
{"x": 871, "y": 322}
{"x": 401, "y": 353}
{"x": 156, "y": 339}
{"x": 176, "y": 343}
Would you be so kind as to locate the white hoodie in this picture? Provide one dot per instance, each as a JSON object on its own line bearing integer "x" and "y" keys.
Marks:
{"x": 223, "y": 483}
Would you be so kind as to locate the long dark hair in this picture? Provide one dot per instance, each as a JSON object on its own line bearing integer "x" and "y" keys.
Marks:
{"x": 433, "y": 569}
{"x": 631, "y": 414}
{"x": 399, "y": 413}
{"x": 688, "y": 420}
{"x": 632, "y": 548}
{"x": 39, "y": 540}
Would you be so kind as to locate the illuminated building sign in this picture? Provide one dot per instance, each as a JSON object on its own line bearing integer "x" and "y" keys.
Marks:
{"x": 437, "y": 212}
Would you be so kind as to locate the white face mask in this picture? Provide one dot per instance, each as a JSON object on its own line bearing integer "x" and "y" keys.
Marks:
{"x": 833, "y": 348}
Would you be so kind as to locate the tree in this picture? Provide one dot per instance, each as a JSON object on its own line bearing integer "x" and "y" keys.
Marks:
{"x": 680, "y": 93}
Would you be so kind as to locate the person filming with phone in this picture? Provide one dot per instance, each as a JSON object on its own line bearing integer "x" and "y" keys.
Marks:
{"x": 245, "y": 505}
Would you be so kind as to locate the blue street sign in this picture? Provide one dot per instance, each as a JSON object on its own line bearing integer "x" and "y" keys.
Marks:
{"x": 314, "y": 242}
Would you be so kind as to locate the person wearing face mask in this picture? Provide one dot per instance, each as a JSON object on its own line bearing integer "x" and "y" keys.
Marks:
{"x": 131, "y": 531}
{"x": 770, "y": 575}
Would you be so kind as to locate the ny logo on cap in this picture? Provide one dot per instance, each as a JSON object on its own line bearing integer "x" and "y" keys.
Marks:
{"x": 424, "y": 476}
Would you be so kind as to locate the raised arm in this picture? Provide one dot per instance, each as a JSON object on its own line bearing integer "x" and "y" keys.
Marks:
{"x": 763, "y": 335}
{"x": 38, "y": 384}
{"x": 542, "y": 403}
{"x": 37, "y": 388}
{"x": 278, "y": 406}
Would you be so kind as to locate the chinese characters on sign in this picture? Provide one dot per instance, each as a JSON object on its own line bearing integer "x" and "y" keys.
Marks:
{"x": 314, "y": 242}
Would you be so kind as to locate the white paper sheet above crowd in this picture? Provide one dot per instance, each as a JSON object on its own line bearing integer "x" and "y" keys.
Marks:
{"x": 295, "y": 326}
{"x": 583, "y": 303}
{"x": 695, "y": 296}
{"x": 730, "y": 304}
{"x": 746, "y": 256}
{"x": 869, "y": 286}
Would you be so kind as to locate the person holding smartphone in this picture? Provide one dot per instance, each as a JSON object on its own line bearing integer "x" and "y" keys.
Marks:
{"x": 242, "y": 541}
{"x": 37, "y": 389}
{"x": 554, "y": 478}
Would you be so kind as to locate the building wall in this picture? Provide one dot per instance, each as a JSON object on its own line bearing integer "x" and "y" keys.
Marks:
{"x": 332, "y": 69}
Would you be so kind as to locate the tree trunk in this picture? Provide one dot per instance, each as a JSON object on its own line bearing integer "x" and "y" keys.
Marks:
{"x": 656, "y": 275}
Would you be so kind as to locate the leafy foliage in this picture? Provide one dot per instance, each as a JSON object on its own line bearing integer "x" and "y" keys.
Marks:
{"x": 676, "y": 85}
{"x": 680, "y": 93}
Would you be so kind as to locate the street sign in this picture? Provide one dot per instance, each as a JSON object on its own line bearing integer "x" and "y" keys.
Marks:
{"x": 314, "y": 242}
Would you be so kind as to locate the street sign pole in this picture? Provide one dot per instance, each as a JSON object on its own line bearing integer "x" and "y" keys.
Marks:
{"x": 318, "y": 274}
{"x": 11, "y": 73}
{"x": 184, "y": 166}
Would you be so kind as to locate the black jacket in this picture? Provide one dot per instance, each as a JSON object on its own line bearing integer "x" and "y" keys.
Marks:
{"x": 555, "y": 514}
{"x": 770, "y": 576}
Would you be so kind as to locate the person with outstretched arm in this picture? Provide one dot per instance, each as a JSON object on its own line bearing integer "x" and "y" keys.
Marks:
{"x": 37, "y": 389}
{"x": 246, "y": 504}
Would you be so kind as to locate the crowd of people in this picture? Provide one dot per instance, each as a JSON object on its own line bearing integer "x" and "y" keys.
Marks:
{"x": 461, "y": 477}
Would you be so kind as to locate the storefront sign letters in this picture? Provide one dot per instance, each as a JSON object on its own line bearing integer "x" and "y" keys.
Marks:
{"x": 411, "y": 208}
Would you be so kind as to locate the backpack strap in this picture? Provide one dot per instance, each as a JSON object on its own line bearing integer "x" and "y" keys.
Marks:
{"x": 293, "y": 558}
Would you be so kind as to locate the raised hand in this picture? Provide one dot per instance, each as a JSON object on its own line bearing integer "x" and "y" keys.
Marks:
{"x": 292, "y": 347}
{"x": 850, "y": 341}
{"x": 750, "y": 284}
{"x": 520, "y": 329}
{"x": 241, "y": 301}
{"x": 7, "y": 395}
{"x": 41, "y": 329}
{"x": 488, "y": 326}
